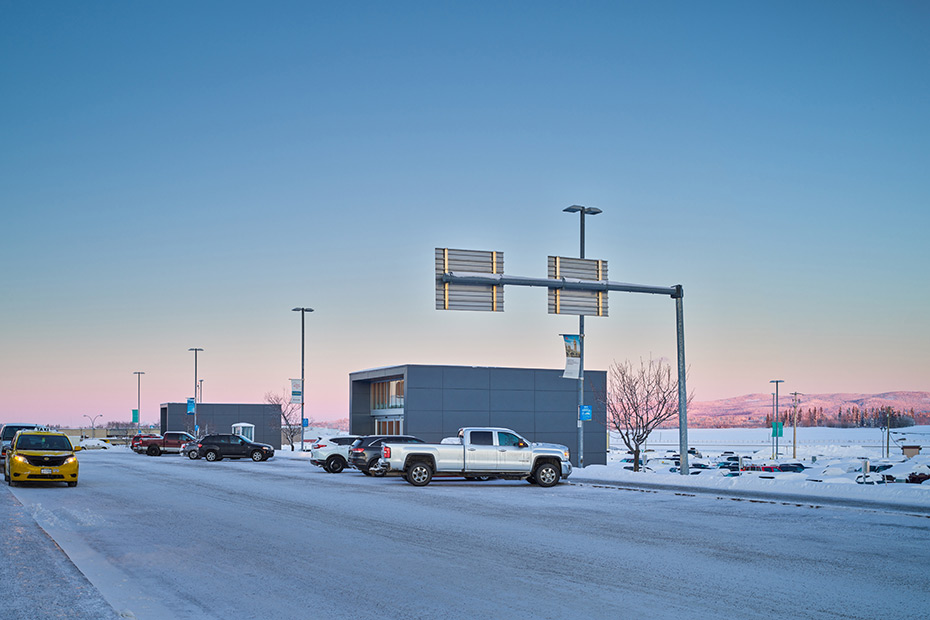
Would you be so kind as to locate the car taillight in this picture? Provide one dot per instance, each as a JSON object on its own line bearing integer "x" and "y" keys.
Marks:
{"x": 358, "y": 450}
{"x": 200, "y": 445}
{"x": 317, "y": 446}
{"x": 386, "y": 452}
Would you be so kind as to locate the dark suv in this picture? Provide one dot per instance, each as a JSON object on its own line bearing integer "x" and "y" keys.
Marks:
{"x": 366, "y": 452}
{"x": 228, "y": 446}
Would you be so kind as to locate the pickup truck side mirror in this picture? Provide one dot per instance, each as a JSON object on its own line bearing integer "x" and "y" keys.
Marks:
{"x": 523, "y": 444}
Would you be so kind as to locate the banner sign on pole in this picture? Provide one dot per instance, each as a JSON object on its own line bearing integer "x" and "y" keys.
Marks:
{"x": 584, "y": 413}
{"x": 135, "y": 416}
{"x": 778, "y": 429}
{"x": 297, "y": 392}
{"x": 191, "y": 406}
{"x": 572, "y": 356}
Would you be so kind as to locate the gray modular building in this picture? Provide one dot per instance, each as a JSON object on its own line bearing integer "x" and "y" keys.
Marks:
{"x": 219, "y": 418}
{"x": 432, "y": 402}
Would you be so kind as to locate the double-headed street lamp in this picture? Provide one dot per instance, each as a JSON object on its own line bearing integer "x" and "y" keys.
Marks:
{"x": 582, "y": 211}
{"x": 195, "y": 350}
{"x": 303, "y": 390}
{"x": 92, "y": 420}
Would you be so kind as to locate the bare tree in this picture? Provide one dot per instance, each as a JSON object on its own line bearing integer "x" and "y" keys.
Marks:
{"x": 290, "y": 415}
{"x": 639, "y": 400}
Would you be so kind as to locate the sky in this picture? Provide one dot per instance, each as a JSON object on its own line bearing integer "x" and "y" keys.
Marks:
{"x": 178, "y": 175}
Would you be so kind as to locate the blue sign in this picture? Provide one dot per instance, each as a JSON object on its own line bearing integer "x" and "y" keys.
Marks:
{"x": 191, "y": 406}
{"x": 305, "y": 422}
{"x": 585, "y": 413}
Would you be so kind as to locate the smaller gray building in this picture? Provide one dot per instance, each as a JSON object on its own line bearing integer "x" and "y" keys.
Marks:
{"x": 432, "y": 402}
{"x": 219, "y": 418}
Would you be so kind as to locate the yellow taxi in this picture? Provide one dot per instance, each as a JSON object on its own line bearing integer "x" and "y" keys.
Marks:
{"x": 41, "y": 456}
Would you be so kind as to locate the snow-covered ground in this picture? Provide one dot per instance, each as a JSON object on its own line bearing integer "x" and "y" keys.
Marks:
{"x": 833, "y": 458}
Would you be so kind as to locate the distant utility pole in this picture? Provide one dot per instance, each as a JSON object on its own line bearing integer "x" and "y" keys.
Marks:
{"x": 794, "y": 438}
{"x": 775, "y": 428}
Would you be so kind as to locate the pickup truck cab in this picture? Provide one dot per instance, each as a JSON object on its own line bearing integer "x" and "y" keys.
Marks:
{"x": 170, "y": 442}
{"x": 483, "y": 452}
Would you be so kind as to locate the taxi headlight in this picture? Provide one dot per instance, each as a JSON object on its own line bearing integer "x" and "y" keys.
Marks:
{"x": 20, "y": 459}
{"x": 70, "y": 459}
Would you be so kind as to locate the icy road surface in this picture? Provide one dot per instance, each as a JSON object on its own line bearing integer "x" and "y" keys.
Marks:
{"x": 172, "y": 538}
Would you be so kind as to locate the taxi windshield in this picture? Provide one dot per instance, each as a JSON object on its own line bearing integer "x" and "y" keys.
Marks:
{"x": 43, "y": 442}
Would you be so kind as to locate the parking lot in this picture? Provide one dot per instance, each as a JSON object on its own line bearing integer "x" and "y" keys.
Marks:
{"x": 171, "y": 537}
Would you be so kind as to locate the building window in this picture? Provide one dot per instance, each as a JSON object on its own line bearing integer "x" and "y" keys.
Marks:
{"x": 387, "y": 395}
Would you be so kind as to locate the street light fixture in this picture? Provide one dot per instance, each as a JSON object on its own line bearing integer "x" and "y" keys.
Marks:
{"x": 139, "y": 374}
{"x": 195, "y": 350}
{"x": 794, "y": 438}
{"x": 303, "y": 389}
{"x": 775, "y": 427}
{"x": 92, "y": 427}
{"x": 582, "y": 211}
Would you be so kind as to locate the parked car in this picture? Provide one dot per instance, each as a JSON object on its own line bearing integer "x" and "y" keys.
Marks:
{"x": 792, "y": 467}
{"x": 191, "y": 449}
{"x": 365, "y": 452}
{"x": 41, "y": 456}
{"x": 228, "y": 446}
{"x": 7, "y": 432}
{"x": 332, "y": 453}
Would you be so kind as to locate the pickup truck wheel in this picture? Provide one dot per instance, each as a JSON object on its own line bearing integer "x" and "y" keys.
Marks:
{"x": 193, "y": 455}
{"x": 546, "y": 475}
{"x": 375, "y": 469}
{"x": 212, "y": 455}
{"x": 153, "y": 451}
{"x": 335, "y": 464}
{"x": 257, "y": 456}
{"x": 419, "y": 474}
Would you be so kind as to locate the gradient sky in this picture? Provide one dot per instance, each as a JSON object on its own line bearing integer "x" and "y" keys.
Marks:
{"x": 182, "y": 174}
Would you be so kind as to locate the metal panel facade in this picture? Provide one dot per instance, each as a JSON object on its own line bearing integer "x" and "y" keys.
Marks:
{"x": 219, "y": 418}
{"x": 536, "y": 403}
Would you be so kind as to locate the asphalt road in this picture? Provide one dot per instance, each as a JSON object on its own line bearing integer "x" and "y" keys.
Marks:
{"x": 171, "y": 538}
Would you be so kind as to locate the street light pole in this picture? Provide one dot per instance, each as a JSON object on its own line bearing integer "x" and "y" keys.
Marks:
{"x": 195, "y": 350}
{"x": 582, "y": 211}
{"x": 775, "y": 428}
{"x": 139, "y": 374}
{"x": 303, "y": 389}
{"x": 794, "y": 438}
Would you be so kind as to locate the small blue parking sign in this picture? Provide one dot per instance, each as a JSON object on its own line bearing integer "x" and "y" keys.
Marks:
{"x": 584, "y": 413}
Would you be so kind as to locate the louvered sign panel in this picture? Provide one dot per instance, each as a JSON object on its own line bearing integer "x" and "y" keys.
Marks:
{"x": 454, "y": 296}
{"x": 567, "y": 301}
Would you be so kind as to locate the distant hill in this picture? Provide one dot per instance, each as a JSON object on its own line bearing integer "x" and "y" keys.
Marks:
{"x": 751, "y": 410}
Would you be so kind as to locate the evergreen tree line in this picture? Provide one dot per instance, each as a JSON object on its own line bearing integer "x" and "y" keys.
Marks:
{"x": 853, "y": 417}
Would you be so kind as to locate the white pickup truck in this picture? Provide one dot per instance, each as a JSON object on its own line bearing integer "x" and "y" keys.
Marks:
{"x": 483, "y": 452}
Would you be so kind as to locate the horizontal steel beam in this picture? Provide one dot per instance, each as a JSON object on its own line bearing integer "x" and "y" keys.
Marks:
{"x": 499, "y": 279}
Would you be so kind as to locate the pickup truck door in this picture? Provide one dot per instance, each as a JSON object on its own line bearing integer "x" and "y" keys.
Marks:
{"x": 480, "y": 451}
{"x": 510, "y": 456}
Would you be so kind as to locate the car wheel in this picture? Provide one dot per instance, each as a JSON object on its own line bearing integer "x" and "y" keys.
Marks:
{"x": 419, "y": 474}
{"x": 212, "y": 455}
{"x": 193, "y": 455}
{"x": 335, "y": 464}
{"x": 375, "y": 469}
{"x": 546, "y": 475}
{"x": 257, "y": 456}
{"x": 153, "y": 451}
{"x": 73, "y": 483}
